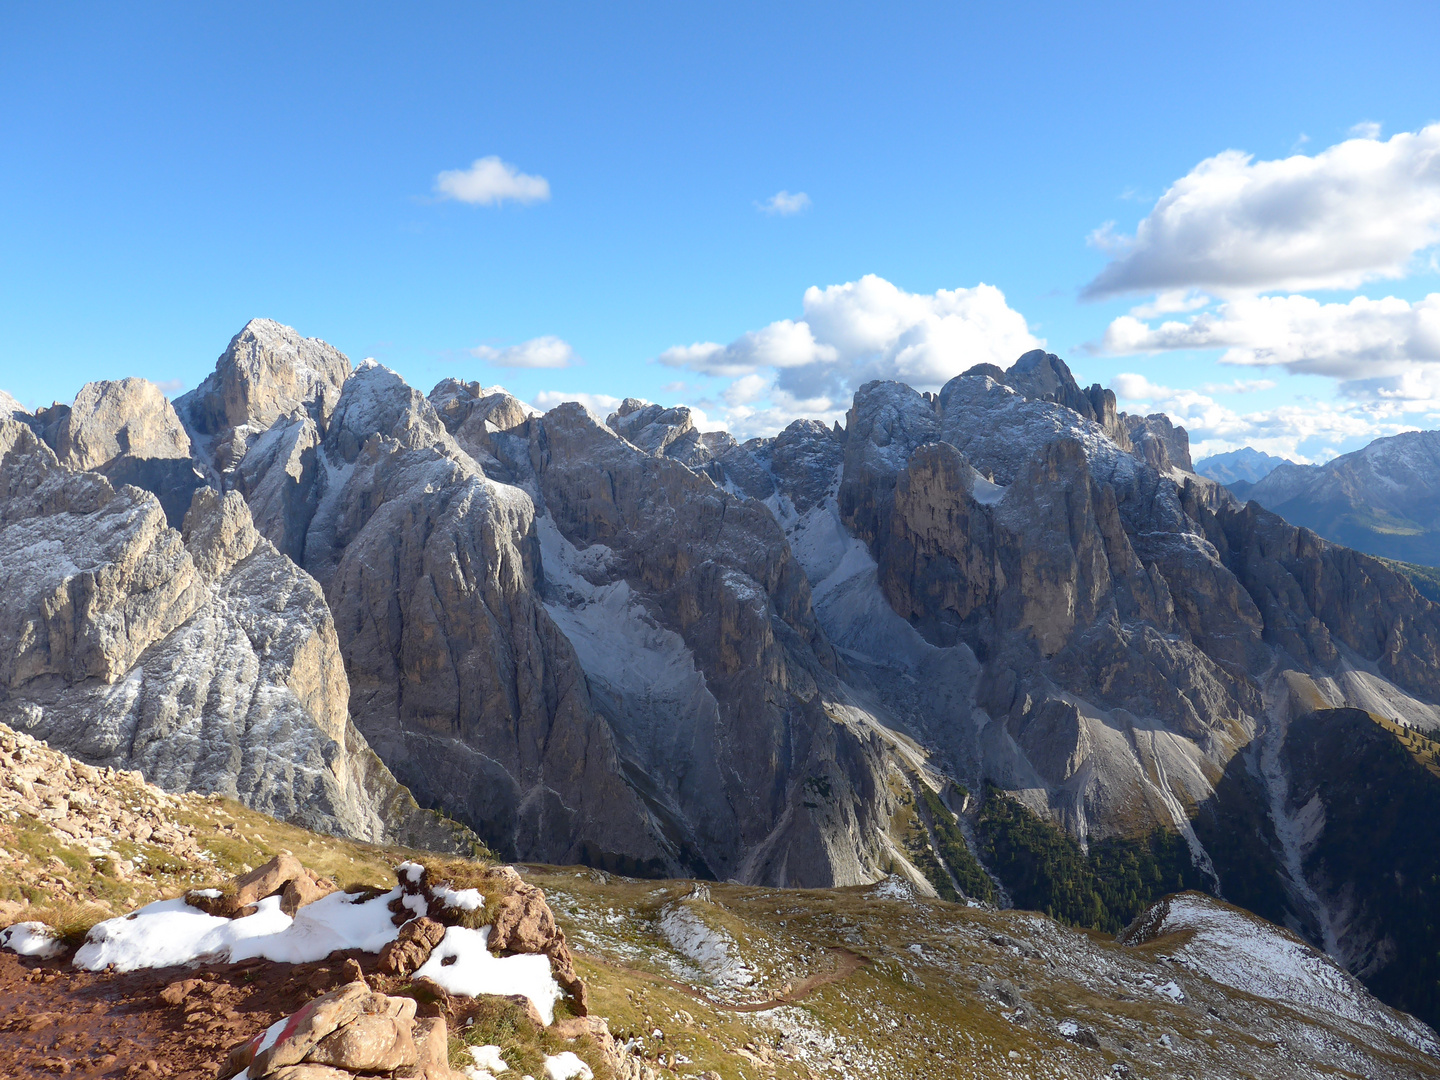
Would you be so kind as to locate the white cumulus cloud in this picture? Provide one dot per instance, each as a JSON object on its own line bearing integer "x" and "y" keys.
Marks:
{"x": 597, "y": 405}
{"x": 541, "y": 352}
{"x": 784, "y": 203}
{"x": 848, "y": 335}
{"x": 1358, "y": 211}
{"x": 1357, "y": 342}
{"x": 1304, "y": 431}
{"x": 489, "y": 182}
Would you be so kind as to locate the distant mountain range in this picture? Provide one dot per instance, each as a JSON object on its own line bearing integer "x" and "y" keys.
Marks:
{"x": 1243, "y": 466}
{"x": 1383, "y": 499}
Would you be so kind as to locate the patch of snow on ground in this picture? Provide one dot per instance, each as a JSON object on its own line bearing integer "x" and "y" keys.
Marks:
{"x": 459, "y": 899}
{"x": 489, "y": 1058}
{"x": 712, "y": 949}
{"x": 35, "y": 939}
{"x": 1239, "y": 950}
{"x": 987, "y": 493}
{"x": 462, "y": 964}
{"x": 894, "y": 887}
{"x": 567, "y": 1066}
{"x": 171, "y": 932}
{"x": 1171, "y": 990}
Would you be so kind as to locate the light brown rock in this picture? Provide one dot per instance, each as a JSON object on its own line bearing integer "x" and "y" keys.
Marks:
{"x": 128, "y": 416}
{"x": 302, "y": 890}
{"x": 412, "y": 947}
{"x": 369, "y": 1044}
{"x": 524, "y": 923}
{"x": 310, "y": 1071}
{"x": 267, "y": 371}
{"x": 266, "y": 880}
{"x": 432, "y": 1046}
{"x": 309, "y": 1025}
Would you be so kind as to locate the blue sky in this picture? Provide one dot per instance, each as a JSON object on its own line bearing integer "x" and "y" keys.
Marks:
{"x": 171, "y": 172}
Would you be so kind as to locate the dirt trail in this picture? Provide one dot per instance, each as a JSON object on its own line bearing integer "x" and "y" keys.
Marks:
{"x": 847, "y": 963}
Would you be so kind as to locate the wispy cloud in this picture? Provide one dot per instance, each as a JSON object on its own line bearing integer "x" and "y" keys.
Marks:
{"x": 170, "y": 386}
{"x": 1366, "y": 129}
{"x": 785, "y": 204}
{"x": 540, "y": 352}
{"x": 490, "y": 182}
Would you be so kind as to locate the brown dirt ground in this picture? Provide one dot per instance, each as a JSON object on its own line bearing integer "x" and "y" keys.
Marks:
{"x": 176, "y": 1023}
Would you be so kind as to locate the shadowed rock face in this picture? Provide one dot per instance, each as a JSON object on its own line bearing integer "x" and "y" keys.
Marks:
{"x": 128, "y": 432}
{"x": 458, "y": 675}
{"x": 651, "y": 557}
{"x": 205, "y": 658}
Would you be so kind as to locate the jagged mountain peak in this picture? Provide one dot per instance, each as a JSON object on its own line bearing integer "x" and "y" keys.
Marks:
{"x": 10, "y": 408}
{"x": 1245, "y": 464}
{"x": 267, "y": 371}
{"x": 125, "y": 416}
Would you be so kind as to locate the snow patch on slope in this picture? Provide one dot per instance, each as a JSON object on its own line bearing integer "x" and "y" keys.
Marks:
{"x": 1243, "y": 951}
{"x": 712, "y": 950}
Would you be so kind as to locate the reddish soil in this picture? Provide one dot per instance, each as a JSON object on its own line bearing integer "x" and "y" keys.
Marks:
{"x": 175, "y": 1023}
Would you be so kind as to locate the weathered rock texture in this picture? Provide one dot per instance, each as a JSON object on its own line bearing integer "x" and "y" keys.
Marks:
{"x": 128, "y": 432}
{"x": 267, "y": 371}
{"x": 205, "y": 658}
{"x": 653, "y": 649}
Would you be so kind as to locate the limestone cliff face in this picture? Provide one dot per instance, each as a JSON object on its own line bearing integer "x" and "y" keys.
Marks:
{"x": 205, "y": 658}
{"x": 458, "y": 676}
{"x": 266, "y": 372}
{"x": 649, "y": 558}
{"x": 648, "y": 647}
{"x": 1073, "y": 618}
{"x": 128, "y": 431}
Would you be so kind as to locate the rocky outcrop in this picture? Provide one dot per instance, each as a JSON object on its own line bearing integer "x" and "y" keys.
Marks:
{"x": 205, "y": 658}
{"x": 266, "y": 372}
{"x": 349, "y": 1031}
{"x": 128, "y": 432}
{"x": 489, "y": 424}
{"x": 694, "y": 624}
{"x": 1162, "y": 444}
{"x": 108, "y": 419}
{"x": 10, "y": 409}
{"x": 458, "y": 676}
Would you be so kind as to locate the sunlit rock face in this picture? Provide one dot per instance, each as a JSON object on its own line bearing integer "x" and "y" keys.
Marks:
{"x": 200, "y": 656}
{"x": 651, "y": 648}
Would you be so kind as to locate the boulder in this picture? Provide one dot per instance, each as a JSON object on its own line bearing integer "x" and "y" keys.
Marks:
{"x": 524, "y": 923}
{"x": 374, "y": 1043}
{"x": 302, "y": 890}
{"x": 266, "y": 880}
{"x": 409, "y": 951}
{"x": 432, "y": 1046}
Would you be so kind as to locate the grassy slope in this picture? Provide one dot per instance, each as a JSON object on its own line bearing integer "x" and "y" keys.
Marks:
{"x": 936, "y": 989}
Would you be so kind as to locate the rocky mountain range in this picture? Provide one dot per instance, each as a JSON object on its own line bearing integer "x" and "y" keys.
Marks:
{"x": 1239, "y": 467}
{"x": 1383, "y": 499}
{"x": 810, "y": 660}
